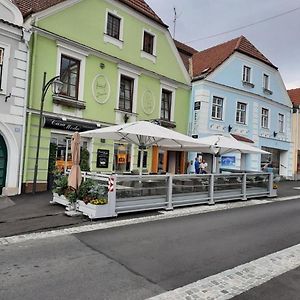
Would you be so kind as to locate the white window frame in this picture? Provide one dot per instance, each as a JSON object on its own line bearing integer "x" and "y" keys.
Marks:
{"x": 241, "y": 111}
{"x": 149, "y": 56}
{"x": 109, "y": 39}
{"x": 171, "y": 88}
{"x": 281, "y": 124}
{"x": 131, "y": 73}
{"x": 5, "y": 67}
{"x": 262, "y": 123}
{"x": 263, "y": 81}
{"x": 212, "y": 105}
{"x": 250, "y": 74}
{"x": 64, "y": 49}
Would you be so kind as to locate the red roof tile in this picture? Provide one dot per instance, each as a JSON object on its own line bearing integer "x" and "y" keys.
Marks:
{"x": 28, "y": 7}
{"x": 295, "y": 96}
{"x": 241, "y": 138}
{"x": 208, "y": 60}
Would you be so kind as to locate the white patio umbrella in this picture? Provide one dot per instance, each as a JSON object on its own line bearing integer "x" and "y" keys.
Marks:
{"x": 221, "y": 144}
{"x": 145, "y": 134}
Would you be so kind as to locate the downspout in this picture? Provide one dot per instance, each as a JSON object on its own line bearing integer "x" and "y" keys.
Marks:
{"x": 297, "y": 142}
{"x": 25, "y": 38}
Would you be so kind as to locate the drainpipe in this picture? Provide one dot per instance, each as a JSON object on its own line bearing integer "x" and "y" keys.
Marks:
{"x": 297, "y": 142}
{"x": 25, "y": 38}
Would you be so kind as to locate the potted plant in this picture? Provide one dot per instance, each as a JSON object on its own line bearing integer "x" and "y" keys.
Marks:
{"x": 93, "y": 200}
{"x": 60, "y": 187}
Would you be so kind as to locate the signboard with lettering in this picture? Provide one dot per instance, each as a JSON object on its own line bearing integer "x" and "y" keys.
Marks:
{"x": 69, "y": 125}
{"x": 102, "y": 158}
{"x": 228, "y": 161}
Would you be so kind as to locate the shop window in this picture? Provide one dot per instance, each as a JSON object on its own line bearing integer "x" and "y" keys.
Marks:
{"x": 145, "y": 154}
{"x": 69, "y": 75}
{"x": 122, "y": 158}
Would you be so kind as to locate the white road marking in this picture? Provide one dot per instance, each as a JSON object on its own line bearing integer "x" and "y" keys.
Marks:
{"x": 178, "y": 212}
{"x": 240, "y": 279}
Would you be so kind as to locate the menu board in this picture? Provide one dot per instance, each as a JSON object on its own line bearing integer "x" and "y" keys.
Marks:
{"x": 102, "y": 158}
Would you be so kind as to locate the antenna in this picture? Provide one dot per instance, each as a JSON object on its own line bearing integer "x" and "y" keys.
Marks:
{"x": 174, "y": 22}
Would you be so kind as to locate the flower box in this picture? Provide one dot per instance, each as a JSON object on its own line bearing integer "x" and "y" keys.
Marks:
{"x": 96, "y": 211}
{"x": 60, "y": 200}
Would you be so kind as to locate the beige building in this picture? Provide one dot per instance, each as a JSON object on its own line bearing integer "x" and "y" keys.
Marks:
{"x": 295, "y": 97}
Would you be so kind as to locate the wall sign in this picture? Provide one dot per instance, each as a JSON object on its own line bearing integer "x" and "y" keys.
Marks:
{"x": 101, "y": 89}
{"x": 102, "y": 158}
{"x": 148, "y": 103}
{"x": 228, "y": 161}
{"x": 57, "y": 123}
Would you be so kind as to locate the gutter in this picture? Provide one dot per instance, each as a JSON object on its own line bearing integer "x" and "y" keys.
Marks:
{"x": 25, "y": 38}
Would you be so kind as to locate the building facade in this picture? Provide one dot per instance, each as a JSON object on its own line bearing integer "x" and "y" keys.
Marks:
{"x": 236, "y": 90}
{"x": 295, "y": 98}
{"x": 13, "y": 82}
{"x": 118, "y": 64}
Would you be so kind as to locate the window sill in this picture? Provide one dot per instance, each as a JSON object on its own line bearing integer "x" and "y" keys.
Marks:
{"x": 112, "y": 40}
{"x": 126, "y": 112}
{"x": 65, "y": 101}
{"x": 248, "y": 84}
{"x": 267, "y": 91}
{"x": 216, "y": 119}
{"x": 148, "y": 56}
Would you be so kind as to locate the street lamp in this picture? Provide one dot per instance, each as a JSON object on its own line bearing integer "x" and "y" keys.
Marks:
{"x": 57, "y": 85}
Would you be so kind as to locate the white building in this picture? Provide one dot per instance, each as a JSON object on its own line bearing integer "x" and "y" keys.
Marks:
{"x": 13, "y": 83}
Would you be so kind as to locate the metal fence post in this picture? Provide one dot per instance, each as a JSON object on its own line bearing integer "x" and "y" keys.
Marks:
{"x": 244, "y": 187}
{"x": 170, "y": 192}
{"x": 112, "y": 199}
{"x": 211, "y": 189}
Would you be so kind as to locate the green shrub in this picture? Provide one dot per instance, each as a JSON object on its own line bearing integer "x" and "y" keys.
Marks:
{"x": 85, "y": 160}
{"x": 60, "y": 184}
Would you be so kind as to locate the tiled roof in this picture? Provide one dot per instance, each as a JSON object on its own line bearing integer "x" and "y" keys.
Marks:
{"x": 295, "y": 96}
{"x": 28, "y": 7}
{"x": 208, "y": 60}
{"x": 241, "y": 138}
{"x": 186, "y": 52}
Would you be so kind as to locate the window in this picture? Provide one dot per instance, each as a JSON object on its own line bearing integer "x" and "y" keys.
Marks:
{"x": 145, "y": 154}
{"x": 266, "y": 81}
{"x": 247, "y": 74}
{"x": 264, "y": 118}
{"x": 165, "y": 110}
{"x": 241, "y": 113}
{"x": 197, "y": 105}
{"x": 148, "y": 42}
{"x": 126, "y": 93}
{"x": 69, "y": 74}
{"x": 217, "y": 108}
{"x": 281, "y": 122}
{"x": 113, "y": 26}
{"x": 1, "y": 66}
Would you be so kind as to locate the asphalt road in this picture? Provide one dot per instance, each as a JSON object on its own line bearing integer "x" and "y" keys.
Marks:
{"x": 143, "y": 260}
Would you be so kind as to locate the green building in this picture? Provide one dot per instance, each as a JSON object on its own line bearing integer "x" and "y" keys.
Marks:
{"x": 118, "y": 63}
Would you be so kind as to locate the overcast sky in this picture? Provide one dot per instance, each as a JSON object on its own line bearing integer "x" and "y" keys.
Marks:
{"x": 278, "y": 38}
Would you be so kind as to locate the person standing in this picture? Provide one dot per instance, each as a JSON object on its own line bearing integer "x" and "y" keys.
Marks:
{"x": 197, "y": 166}
{"x": 203, "y": 167}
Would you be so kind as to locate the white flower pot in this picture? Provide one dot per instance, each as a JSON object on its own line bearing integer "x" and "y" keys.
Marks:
{"x": 96, "y": 211}
{"x": 60, "y": 200}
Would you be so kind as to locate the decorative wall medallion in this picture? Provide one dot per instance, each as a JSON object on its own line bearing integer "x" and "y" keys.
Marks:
{"x": 101, "y": 89}
{"x": 148, "y": 103}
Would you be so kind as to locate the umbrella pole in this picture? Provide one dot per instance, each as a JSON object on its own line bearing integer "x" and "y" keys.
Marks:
{"x": 141, "y": 161}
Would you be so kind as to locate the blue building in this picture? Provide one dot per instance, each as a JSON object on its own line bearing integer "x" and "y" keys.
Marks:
{"x": 236, "y": 90}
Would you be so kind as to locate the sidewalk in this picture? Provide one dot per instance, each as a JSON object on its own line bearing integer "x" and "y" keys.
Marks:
{"x": 33, "y": 213}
